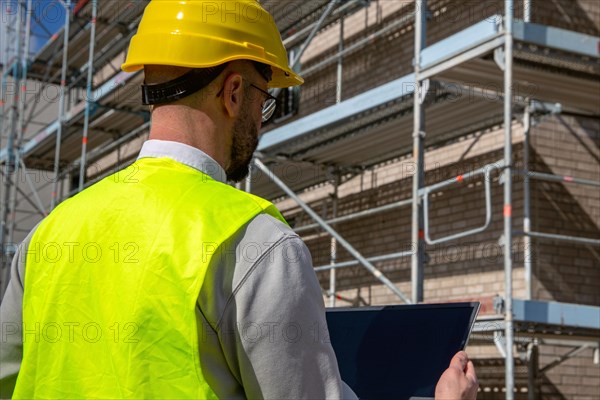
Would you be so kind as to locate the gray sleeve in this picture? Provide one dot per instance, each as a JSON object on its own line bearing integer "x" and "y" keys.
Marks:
{"x": 272, "y": 328}
{"x": 11, "y": 320}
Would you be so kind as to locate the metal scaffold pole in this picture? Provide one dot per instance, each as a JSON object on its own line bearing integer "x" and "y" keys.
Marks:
{"x": 4, "y": 60}
{"x": 333, "y": 244}
{"x": 507, "y": 180}
{"x": 527, "y": 250}
{"x": 527, "y": 10}
{"x": 248, "y": 187}
{"x": 533, "y": 370}
{"x": 89, "y": 100}
{"x": 417, "y": 242}
{"x": 61, "y": 104}
{"x": 24, "y": 69}
{"x": 340, "y": 64}
{"x": 336, "y": 182}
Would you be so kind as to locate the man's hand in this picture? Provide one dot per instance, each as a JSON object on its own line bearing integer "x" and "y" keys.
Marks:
{"x": 459, "y": 381}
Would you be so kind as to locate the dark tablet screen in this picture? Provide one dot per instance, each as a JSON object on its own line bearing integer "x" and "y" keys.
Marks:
{"x": 398, "y": 352}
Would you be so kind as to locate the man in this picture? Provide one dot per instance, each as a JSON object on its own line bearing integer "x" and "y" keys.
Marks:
{"x": 162, "y": 281}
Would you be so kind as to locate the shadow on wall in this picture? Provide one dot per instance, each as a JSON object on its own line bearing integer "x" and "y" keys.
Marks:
{"x": 591, "y": 127}
{"x": 564, "y": 271}
{"x": 575, "y": 15}
{"x": 548, "y": 390}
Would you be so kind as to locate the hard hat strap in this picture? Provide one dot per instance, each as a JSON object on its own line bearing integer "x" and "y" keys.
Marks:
{"x": 180, "y": 87}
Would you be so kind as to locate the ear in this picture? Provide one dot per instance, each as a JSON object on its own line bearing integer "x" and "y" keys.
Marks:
{"x": 233, "y": 94}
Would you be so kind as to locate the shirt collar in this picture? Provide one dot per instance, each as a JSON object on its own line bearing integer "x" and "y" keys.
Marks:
{"x": 185, "y": 154}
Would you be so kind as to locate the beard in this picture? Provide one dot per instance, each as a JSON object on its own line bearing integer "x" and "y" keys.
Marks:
{"x": 244, "y": 143}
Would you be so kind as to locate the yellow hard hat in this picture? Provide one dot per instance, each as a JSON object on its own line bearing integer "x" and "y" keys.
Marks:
{"x": 204, "y": 34}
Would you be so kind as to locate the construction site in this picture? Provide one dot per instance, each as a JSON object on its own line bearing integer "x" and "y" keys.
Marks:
{"x": 439, "y": 151}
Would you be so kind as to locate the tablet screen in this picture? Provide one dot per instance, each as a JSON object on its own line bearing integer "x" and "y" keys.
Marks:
{"x": 398, "y": 351}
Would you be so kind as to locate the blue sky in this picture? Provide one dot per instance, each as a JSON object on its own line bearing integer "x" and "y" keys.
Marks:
{"x": 48, "y": 16}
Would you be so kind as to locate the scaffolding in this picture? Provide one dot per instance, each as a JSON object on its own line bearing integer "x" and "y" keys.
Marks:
{"x": 100, "y": 124}
{"x": 93, "y": 115}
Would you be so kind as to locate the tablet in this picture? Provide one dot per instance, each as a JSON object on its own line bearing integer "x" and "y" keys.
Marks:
{"x": 398, "y": 352}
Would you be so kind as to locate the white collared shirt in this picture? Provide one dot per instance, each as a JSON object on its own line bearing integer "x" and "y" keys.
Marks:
{"x": 185, "y": 154}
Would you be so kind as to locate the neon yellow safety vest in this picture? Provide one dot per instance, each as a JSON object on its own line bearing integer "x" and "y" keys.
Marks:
{"x": 112, "y": 278}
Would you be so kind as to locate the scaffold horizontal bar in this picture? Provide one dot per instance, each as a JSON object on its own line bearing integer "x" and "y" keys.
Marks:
{"x": 359, "y": 214}
{"x": 486, "y": 35}
{"x": 337, "y": 113}
{"x": 557, "y": 38}
{"x": 352, "y": 263}
{"x": 462, "y": 57}
{"x": 542, "y": 176}
{"x": 555, "y": 313}
{"x": 461, "y": 42}
{"x": 563, "y": 238}
{"x": 479, "y": 171}
{"x": 566, "y": 315}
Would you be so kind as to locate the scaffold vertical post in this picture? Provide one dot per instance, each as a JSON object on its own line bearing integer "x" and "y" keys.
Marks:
{"x": 61, "y": 104}
{"x": 89, "y": 100}
{"x": 532, "y": 370}
{"x": 340, "y": 64}
{"x": 24, "y": 68}
{"x": 248, "y": 183}
{"x": 507, "y": 180}
{"x": 333, "y": 243}
{"x": 527, "y": 243}
{"x": 417, "y": 242}
{"x": 336, "y": 180}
